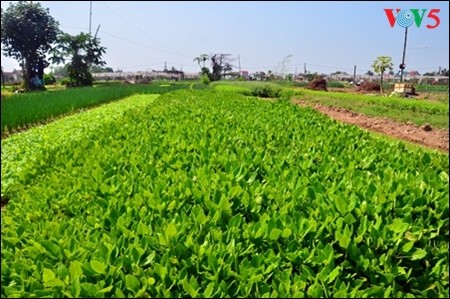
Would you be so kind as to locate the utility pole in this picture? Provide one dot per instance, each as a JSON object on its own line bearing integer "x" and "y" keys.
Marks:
{"x": 90, "y": 17}
{"x": 239, "y": 61}
{"x": 304, "y": 69}
{"x": 354, "y": 73}
{"x": 95, "y": 36}
{"x": 402, "y": 66}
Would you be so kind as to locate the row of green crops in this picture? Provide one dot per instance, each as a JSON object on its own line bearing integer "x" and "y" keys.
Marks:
{"x": 208, "y": 194}
{"x": 431, "y": 88}
{"x": 400, "y": 109}
{"x": 252, "y": 88}
{"x": 29, "y": 108}
{"x": 27, "y": 161}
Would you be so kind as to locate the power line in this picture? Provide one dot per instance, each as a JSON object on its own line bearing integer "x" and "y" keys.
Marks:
{"x": 145, "y": 33}
{"x": 142, "y": 45}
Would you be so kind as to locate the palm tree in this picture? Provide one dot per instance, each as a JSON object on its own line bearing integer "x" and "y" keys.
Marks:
{"x": 203, "y": 58}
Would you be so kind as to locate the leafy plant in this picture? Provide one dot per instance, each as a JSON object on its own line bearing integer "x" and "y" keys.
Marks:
{"x": 216, "y": 194}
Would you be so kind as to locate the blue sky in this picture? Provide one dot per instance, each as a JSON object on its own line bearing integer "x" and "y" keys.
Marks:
{"x": 327, "y": 36}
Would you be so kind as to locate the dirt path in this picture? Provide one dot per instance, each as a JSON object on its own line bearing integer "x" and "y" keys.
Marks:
{"x": 424, "y": 135}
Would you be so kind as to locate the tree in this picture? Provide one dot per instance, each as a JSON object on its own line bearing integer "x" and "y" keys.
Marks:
{"x": 202, "y": 58}
{"x": 369, "y": 73}
{"x": 380, "y": 65}
{"x": 60, "y": 71}
{"x": 283, "y": 65}
{"x": 220, "y": 65}
{"x": 311, "y": 76}
{"x": 260, "y": 76}
{"x": 339, "y": 73}
{"x": 99, "y": 69}
{"x": 3, "y": 78}
{"x": 84, "y": 52}
{"x": 27, "y": 34}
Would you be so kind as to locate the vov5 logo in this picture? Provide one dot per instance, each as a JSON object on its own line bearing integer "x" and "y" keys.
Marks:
{"x": 406, "y": 18}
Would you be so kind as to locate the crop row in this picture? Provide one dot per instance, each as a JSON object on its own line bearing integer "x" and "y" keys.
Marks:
{"x": 208, "y": 194}
{"x": 399, "y": 109}
{"x": 393, "y": 103}
{"x": 20, "y": 110}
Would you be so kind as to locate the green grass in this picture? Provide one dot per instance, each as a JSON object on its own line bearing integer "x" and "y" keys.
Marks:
{"x": 26, "y": 109}
{"x": 399, "y": 109}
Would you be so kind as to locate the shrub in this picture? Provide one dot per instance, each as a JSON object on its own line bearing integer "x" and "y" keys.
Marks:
{"x": 318, "y": 84}
{"x": 49, "y": 79}
{"x": 205, "y": 79}
{"x": 266, "y": 91}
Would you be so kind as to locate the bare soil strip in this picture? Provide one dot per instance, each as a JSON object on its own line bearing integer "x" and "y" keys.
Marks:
{"x": 423, "y": 135}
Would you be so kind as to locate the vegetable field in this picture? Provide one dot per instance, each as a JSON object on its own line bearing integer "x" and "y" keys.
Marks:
{"x": 399, "y": 109}
{"x": 214, "y": 194}
{"x": 30, "y": 108}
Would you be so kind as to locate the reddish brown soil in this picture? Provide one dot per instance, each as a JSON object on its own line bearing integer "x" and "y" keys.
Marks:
{"x": 423, "y": 135}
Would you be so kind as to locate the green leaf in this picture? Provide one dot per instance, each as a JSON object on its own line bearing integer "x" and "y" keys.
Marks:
{"x": 398, "y": 226}
{"x": 119, "y": 294}
{"x": 341, "y": 205}
{"x": 136, "y": 254}
{"x": 275, "y": 234}
{"x": 411, "y": 237}
{"x": 47, "y": 275}
{"x": 375, "y": 291}
{"x": 372, "y": 189}
{"x": 88, "y": 290}
{"x": 132, "y": 282}
{"x": 407, "y": 247}
{"x": 387, "y": 292}
{"x": 418, "y": 254}
{"x": 332, "y": 276}
{"x": 170, "y": 231}
{"x": 297, "y": 192}
{"x": 75, "y": 270}
{"x": 51, "y": 247}
{"x": 160, "y": 270}
{"x": 55, "y": 282}
{"x": 444, "y": 176}
{"x": 106, "y": 290}
{"x": 286, "y": 233}
{"x": 75, "y": 288}
{"x": 315, "y": 291}
{"x": 142, "y": 229}
{"x": 426, "y": 159}
{"x": 98, "y": 267}
{"x": 256, "y": 278}
{"x": 343, "y": 240}
{"x": 189, "y": 289}
{"x": 209, "y": 290}
{"x": 349, "y": 219}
